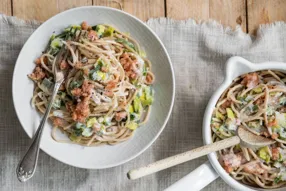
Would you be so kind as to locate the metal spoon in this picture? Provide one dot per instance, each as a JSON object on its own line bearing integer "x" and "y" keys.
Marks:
{"x": 27, "y": 166}
{"x": 243, "y": 137}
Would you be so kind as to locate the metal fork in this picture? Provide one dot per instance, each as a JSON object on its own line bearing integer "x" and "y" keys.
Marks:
{"x": 27, "y": 166}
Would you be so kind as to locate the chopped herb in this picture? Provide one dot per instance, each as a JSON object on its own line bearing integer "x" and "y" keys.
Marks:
{"x": 99, "y": 30}
{"x": 144, "y": 70}
{"x": 92, "y": 74}
{"x": 52, "y": 37}
{"x": 91, "y": 122}
{"x": 47, "y": 83}
{"x": 98, "y": 65}
{"x": 257, "y": 90}
{"x": 79, "y": 125}
{"x": 87, "y": 132}
{"x": 94, "y": 27}
{"x": 56, "y": 43}
{"x": 77, "y": 132}
{"x": 62, "y": 94}
{"x": 57, "y": 104}
{"x": 263, "y": 154}
{"x": 61, "y": 35}
{"x": 132, "y": 116}
{"x": 255, "y": 108}
{"x": 125, "y": 42}
{"x": 280, "y": 158}
{"x": 76, "y": 84}
{"x": 277, "y": 179}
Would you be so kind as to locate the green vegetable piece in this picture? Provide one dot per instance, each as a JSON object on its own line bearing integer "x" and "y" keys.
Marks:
{"x": 47, "y": 83}
{"x": 101, "y": 75}
{"x": 100, "y": 30}
{"x": 108, "y": 32}
{"x": 132, "y": 125}
{"x": 280, "y": 158}
{"x": 131, "y": 110}
{"x": 125, "y": 42}
{"x": 107, "y": 121}
{"x": 282, "y": 133}
{"x": 281, "y": 119}
{"x": 219, "y": 115}
{"x": 144, "y": 70}
{"x": 78, "y": 132}
{"x": 147, "y": 102}
{"x": 74, "y": 138}
{"x": 263, "y": 154}
{"x": 61, "y": 35}
{"x": 57, "y": 103}
{"x": 72, "y": 29}
{"x": 62, "y": 94}
{"x": 147, "y": 96}
{"x": 52, "y": 37}
{"x": 257, "y": 90}
{"x": 230, "y": 113}
{"x": 135, "y": 117}
{"x": 132, "y": 116}
{"x": 136, "y": 104}
{"x": 272, "y": 93}
{"x": 282, "y": 100}
{"x": 56, "y": 43}
{"x": 278, "y": 179}
{"x": 98, "y": 65}
{"x": 240, "y": 98}
{"x": 255, "y": 108}
{"x": 79, "y": 125}
{"x": 92, "y": 75}
{"x": 91, "y": 122}
{"x": 142, "y": 53}
{"x": 76, "y": 84}
{"x": 87, "y": 132}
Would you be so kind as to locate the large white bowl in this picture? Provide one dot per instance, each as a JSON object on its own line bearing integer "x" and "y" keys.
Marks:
{"x": 102, "y": 156}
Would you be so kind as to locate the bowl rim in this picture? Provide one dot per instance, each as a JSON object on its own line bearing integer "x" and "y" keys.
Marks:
{"x": 50, "y": 20}
{"x": 235, "y": 66}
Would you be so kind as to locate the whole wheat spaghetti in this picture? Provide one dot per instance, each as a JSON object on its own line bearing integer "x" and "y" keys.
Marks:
{"x": 256, "y": 101}
{"x": 107, "y": 91}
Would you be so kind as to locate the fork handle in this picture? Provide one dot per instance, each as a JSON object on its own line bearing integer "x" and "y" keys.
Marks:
{"x": 27, "y": 166}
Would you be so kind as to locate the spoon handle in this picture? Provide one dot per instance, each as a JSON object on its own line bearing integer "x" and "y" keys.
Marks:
{"x": 27, "y": 166}
{"x": 183, "y": 157}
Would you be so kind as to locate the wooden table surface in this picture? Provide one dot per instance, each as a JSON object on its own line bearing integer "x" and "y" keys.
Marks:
{"x": 248, "y": 13}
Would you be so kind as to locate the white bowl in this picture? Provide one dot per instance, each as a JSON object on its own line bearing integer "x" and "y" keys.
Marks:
{"x": 102, "y": 156}
{"x": 208, "y": 172}
{"x": 235, "y": 67}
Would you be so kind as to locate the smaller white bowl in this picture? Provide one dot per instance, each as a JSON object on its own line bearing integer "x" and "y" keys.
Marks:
{"x": 210, "y": 170}
{"x": 102, "y": 156}
{"x": 235, "y": 67}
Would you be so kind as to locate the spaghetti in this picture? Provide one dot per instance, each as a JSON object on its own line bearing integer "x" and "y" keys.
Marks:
{"x": 257, "y": 101}
{"x": 107, "y": 91}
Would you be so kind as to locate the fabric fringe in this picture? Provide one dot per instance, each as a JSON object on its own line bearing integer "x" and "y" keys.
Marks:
{"x": 208, "y": 23}
{"x": 262, "y": 29}
{"x": 12, "y": 20}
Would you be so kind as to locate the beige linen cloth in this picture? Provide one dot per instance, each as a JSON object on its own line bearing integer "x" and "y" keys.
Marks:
{"x": 198, "y": 53}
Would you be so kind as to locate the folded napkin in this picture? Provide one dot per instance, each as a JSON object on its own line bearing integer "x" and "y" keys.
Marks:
{"x": 198, "y": 53}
